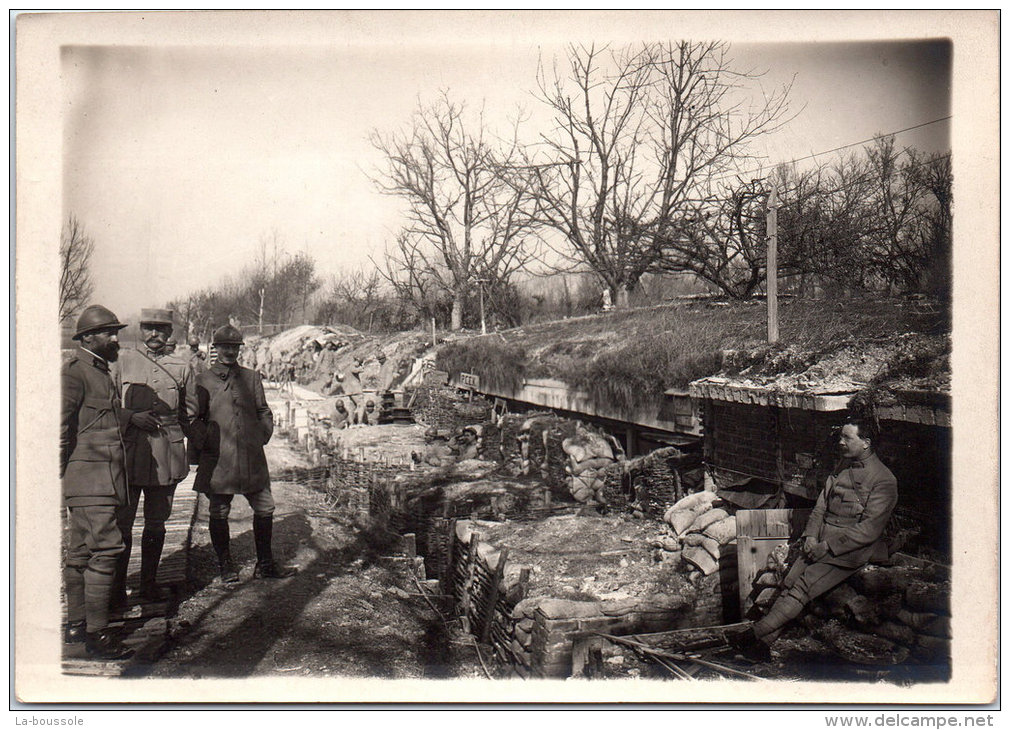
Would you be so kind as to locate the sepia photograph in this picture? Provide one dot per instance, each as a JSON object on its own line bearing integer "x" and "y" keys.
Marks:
{"x": 511, "y": 356}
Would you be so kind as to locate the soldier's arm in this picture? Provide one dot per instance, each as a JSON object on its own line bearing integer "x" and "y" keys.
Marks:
{"x": 816, "y": 519}
{"x": 189, "y": 404}
{"x": 72, "y": 389}
{"x": 263, "y": 412}
{"x": 879, "y": 506}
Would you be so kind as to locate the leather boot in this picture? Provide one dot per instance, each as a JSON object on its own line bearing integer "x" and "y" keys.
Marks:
{"x": 104, "y": 644}
{"x": 220, "y": 539}
{"x": 749, "y": 645}
{"x": 151, "y": 544}
{"x": 263, "y": 527}
{"x": 75, "y": 632}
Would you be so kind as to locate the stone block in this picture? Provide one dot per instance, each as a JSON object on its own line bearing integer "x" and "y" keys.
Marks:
{"x": 555, "y": 608}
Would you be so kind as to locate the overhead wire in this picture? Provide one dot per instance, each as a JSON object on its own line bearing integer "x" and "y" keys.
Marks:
{"x": 834, "y": 149}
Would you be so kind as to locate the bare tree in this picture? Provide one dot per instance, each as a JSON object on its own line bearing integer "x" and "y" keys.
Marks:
{"x": 641, "y": 136}
{"x": 76, "y": 286}
{"x": 465, "y": 220}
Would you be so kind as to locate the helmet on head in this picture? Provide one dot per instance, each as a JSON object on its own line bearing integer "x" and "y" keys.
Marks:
{"x": 94, "y": 318}
{"x": 227, "y": 335}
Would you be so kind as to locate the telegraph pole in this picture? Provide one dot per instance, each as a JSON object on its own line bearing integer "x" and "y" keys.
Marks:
{"x": 771, "y": 268}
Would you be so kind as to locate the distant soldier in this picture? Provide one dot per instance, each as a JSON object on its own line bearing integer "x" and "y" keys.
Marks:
{"x": 195, "y": 356}
{"x": 93, "y": 475}
{"x": 159, "y": 394}
{"x": 341, "y": 417}
{"x": 233, "y": 426}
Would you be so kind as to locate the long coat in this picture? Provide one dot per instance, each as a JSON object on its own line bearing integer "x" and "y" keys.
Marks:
{"x": 233, "y": 425}
{"x": 853, "y": 510}
{"x": 166, "y": 385}
{"x": 92, "y": 456}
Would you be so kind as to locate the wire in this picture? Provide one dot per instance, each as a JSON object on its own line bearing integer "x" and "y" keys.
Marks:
{"x": 836, "y": 149}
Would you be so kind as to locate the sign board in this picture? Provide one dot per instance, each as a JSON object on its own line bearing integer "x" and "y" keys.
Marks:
{"x": 469, "y": 380}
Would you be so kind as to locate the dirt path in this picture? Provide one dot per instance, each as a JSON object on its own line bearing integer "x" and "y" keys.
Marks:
{"x": 348, "y": 612}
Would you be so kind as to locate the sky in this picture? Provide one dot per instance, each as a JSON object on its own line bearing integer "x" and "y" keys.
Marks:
{"x": 179, "y": 161}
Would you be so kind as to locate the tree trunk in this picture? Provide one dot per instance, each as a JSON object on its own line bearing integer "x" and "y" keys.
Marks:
{"x": 457, "y": 313}
{"x": 623, "y": 293}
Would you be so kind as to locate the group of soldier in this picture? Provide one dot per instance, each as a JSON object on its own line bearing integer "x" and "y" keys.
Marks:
{"x": 132, "y": 423}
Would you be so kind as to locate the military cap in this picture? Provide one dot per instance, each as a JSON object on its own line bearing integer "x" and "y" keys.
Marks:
{"x": 94, "y": 318}
{"x": 227, "y": 335}
{"x": 157, "y": 316}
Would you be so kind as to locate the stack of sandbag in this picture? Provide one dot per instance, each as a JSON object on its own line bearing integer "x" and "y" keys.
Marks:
{"x": 887, "y": 614}
{"x": 703, "y": 528}
{"x": 589, "y": 456}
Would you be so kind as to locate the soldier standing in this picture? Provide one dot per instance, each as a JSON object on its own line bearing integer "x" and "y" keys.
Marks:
{"x": 195, "y": 354}
{"x": 159, "y": 395}
{"x": 92, "y": 471}
{"x": 233, "y": 426}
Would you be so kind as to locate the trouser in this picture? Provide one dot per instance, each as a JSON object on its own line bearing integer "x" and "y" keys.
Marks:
{"x": 804, "y": 582}
{"x": 262, "y": 503}
{"x": 157, "y": 509}
{"x": 95, "y": 546}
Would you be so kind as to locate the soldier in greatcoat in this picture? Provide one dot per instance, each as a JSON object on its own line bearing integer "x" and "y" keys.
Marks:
{"x": 159, "y": 395}
{"x": 844, "y": 532}
{"x": 233, "y": 425}
{"x": 93, "y": 476}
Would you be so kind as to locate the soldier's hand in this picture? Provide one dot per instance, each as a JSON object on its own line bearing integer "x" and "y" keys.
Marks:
{"x": 819, "y": 550}
{"x": 145, "y": 421}
{"x": 808, "y": 545}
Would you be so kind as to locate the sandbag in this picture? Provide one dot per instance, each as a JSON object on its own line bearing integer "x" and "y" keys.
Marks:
{"x": 700, "y": 558}
{"x": 694, "y": 501}
{"x": 709, "y": 517}
{"x": 683, "y": 520}
{"x": 723, "y": 531}
{"x": 598, "y": 462}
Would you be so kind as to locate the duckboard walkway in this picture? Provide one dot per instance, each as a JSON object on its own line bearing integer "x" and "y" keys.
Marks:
{"x": 143, "y": 625}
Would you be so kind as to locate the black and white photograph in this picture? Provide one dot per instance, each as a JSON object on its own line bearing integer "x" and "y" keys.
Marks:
{"x": 506, "y": 356}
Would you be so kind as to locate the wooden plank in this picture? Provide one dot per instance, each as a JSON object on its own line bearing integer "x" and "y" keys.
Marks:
{"x": 492, "y": 599}
{"x": 758, "y": 533}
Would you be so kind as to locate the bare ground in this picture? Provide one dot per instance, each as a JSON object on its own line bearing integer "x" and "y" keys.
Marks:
{"x": 351, "y": 611}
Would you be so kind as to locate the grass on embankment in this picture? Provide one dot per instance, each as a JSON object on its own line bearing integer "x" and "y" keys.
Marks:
{"x": 625, "y": 359}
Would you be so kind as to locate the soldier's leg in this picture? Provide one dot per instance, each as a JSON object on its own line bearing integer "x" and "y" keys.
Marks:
{"x": 805, "y": 584}
{"x": 73, "y": 582}
{"x": 262, "y": 503}
{"x": 105, "y": 543}
{"x": 220, "y": 507}
{"x": 126, "y": 515}
{"x": 157, "y": 509}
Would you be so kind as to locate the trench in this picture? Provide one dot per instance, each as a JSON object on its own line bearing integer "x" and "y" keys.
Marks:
{"x": 467, "y": 532}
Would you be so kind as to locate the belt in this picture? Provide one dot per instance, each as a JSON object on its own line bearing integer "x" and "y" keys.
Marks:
{"x": 840, "y": 521}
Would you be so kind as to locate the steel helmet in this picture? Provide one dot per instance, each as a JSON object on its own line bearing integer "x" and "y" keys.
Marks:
{"x": 227, "y": 335}
{"x": 94, "y": 318}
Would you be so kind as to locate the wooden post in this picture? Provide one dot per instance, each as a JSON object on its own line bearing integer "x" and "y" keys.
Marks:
{"x": 471, "y": 568}
{"x": 410, "y": 545}
{"x": 772, "y": 268}
{"x": 492, "y": 600}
